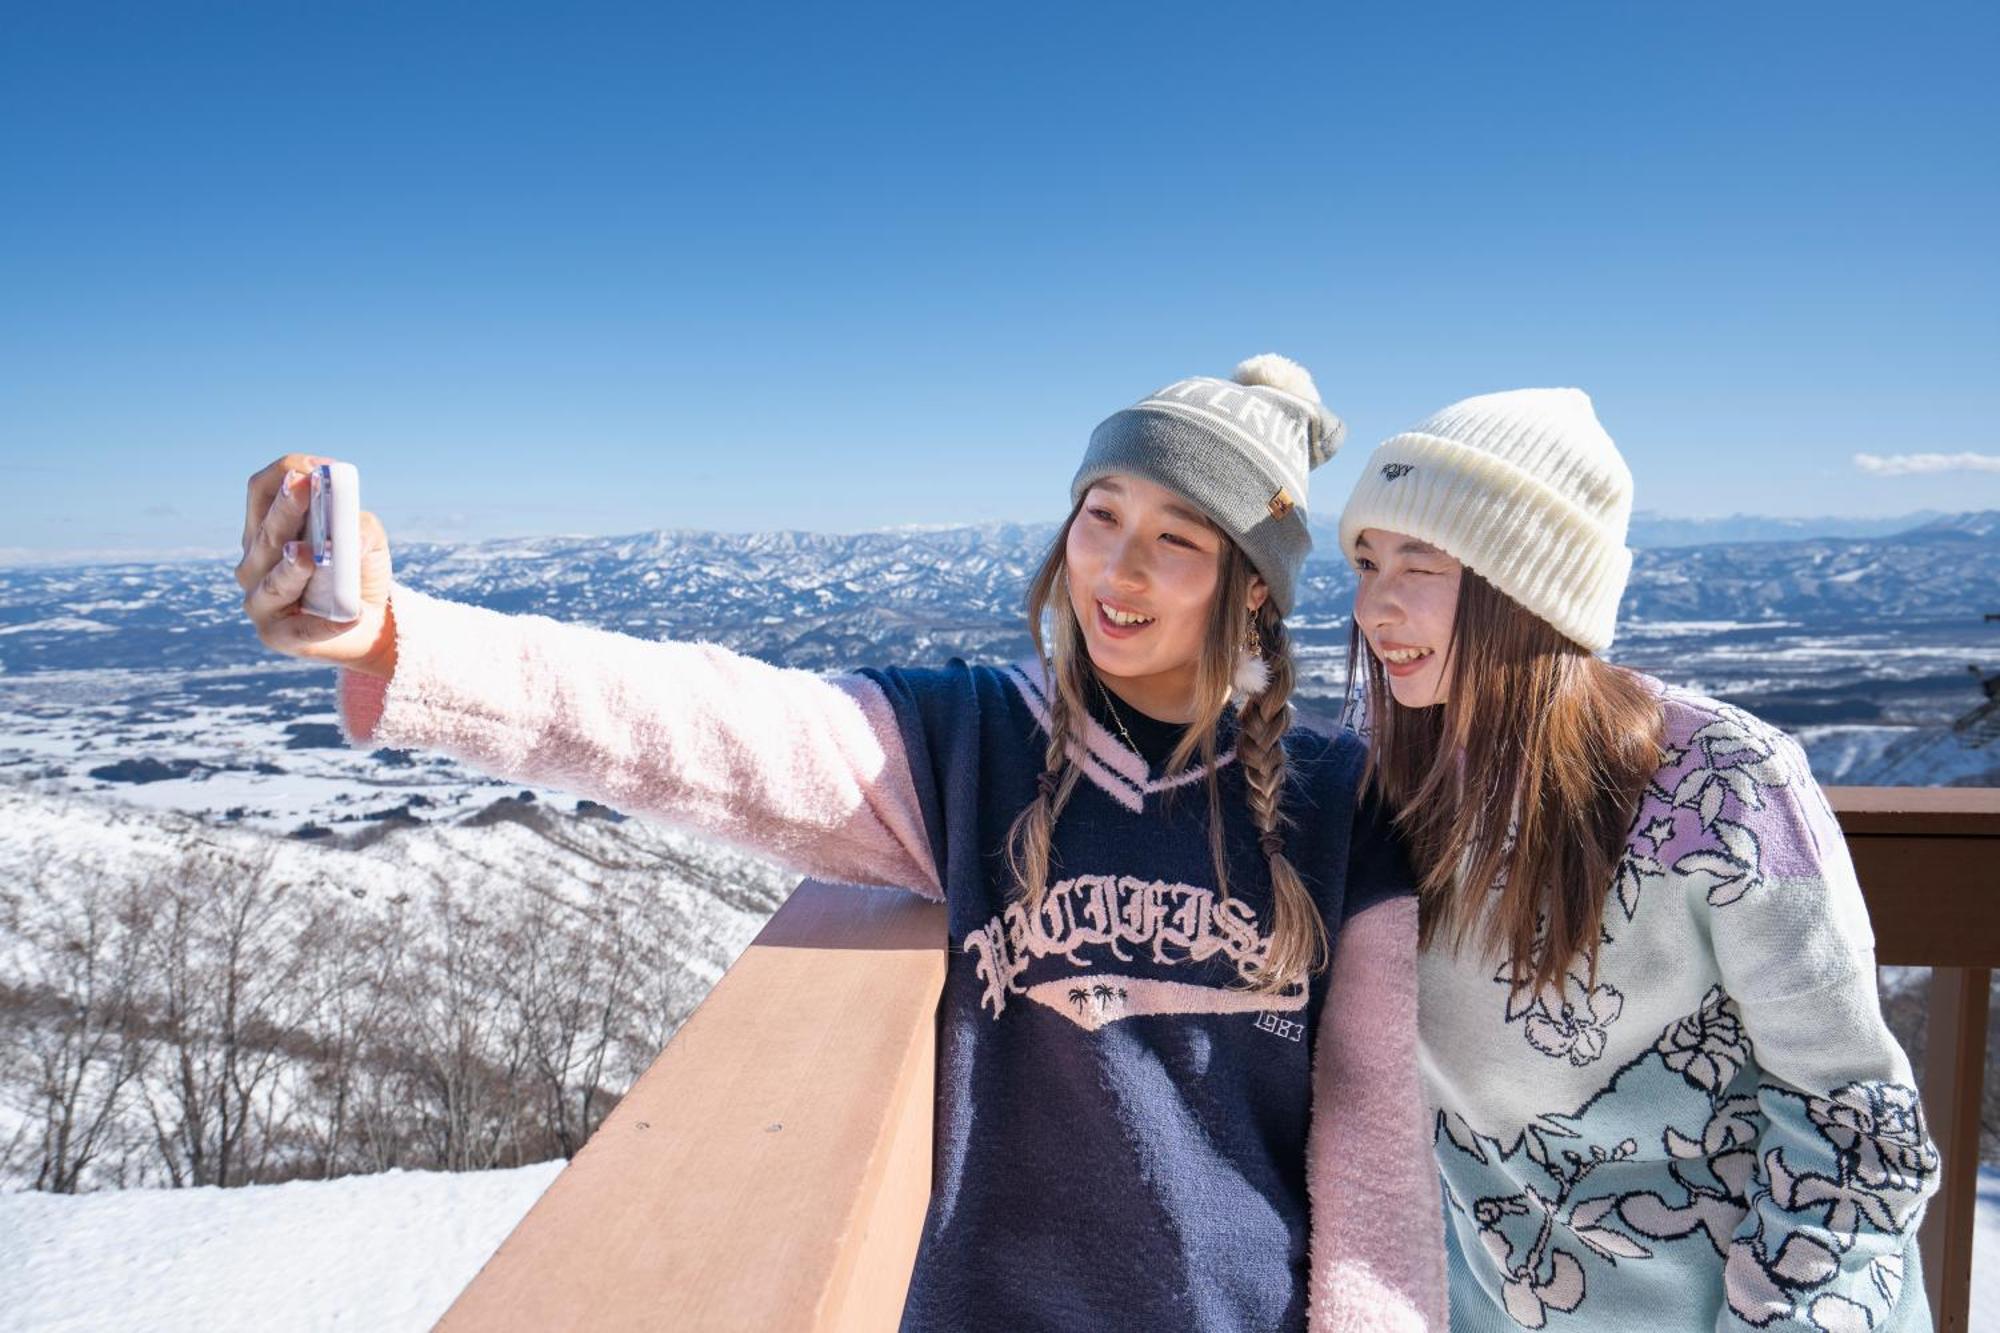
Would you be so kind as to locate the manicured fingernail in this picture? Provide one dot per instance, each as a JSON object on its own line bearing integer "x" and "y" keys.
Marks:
{"x": 292, "y": 478}
{"x": 293, "y": 552}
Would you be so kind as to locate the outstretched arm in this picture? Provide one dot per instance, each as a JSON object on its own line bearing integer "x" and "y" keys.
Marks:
{"x": 807, "y": 769}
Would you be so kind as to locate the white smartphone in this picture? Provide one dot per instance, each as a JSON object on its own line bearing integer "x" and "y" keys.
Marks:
{"x": 333, "y": 536}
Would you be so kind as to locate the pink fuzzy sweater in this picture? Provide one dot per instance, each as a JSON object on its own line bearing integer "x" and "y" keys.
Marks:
{"x": 819, "y": 774}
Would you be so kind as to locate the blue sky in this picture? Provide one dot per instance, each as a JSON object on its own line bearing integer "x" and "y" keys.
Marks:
{"x": 588, "y": 268}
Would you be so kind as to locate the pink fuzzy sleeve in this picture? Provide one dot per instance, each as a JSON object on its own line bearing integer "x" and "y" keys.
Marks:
{"x": 1377, "y": 1246}
{"x": 806, "y": 769}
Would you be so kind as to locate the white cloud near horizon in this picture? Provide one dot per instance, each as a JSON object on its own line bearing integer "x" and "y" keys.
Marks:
{"x": 1907, "y": 465}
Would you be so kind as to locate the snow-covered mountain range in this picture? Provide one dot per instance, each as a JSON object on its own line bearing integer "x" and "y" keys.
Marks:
{"x": 1650, "y": 528}
{"x": 139, "y": 674}
{"x": 818, "y": 600}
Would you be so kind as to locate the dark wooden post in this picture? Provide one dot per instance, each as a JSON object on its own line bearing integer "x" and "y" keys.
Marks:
{"x": 1929, "y": 863}
{"x": 1954, "y": 1082}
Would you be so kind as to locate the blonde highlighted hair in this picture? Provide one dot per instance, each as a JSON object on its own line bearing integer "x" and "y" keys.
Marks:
{"x": 1298, "y": 937}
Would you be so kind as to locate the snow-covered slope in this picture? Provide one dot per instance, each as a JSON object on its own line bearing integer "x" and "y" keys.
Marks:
{"x": 514, "y": 840}
{"x": 449, "y": 993}
{"x": 378, "y": 1253}
{"x": 383, "y": 1253}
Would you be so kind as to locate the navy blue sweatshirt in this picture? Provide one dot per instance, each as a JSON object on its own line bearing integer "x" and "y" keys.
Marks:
{"x": 1121, "y": 1124}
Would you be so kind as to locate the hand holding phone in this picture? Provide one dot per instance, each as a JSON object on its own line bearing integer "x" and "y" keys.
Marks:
{"x": 315, "y": 572}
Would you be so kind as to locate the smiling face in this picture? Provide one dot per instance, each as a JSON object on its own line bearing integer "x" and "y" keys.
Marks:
{"x": 1143, "y": 567}
{"x": 1404, "y": 605}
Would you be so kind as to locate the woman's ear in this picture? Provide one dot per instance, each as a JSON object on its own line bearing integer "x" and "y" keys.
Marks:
{"x": 1259, "y": 590}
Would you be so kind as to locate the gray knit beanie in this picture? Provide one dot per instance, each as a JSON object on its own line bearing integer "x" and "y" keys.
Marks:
{"x": 1239, "y": 448}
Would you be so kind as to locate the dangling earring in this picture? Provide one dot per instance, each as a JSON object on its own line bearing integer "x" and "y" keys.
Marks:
{"x": 1253, "y": 673}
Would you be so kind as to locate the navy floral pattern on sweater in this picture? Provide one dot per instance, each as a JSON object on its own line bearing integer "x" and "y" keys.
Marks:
{"x": 1716, "y": 1132}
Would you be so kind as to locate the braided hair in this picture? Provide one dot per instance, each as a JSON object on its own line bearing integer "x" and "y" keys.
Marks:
{"x": 1298, "y": 937}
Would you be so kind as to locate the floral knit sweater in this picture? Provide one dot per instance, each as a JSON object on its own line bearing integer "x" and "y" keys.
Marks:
{"x": 1720, "y": 1133}
{"x": 1125, "y": 1136}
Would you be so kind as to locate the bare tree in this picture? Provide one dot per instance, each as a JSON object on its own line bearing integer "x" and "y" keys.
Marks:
{"x": 347, "y": 962}
{"x": 467, "y": 1053}
{"x": 73, "y": 1045}
{"x": 222, "y": 952}
{"x": 569, "y": 994}
{"x": 212, "y": 1023}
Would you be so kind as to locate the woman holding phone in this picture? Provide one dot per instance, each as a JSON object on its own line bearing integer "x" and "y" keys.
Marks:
{"x": 1176, "y": 1071}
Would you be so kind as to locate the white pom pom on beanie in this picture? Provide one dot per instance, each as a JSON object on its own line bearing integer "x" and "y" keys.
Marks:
{"x": 1526, "y": 489}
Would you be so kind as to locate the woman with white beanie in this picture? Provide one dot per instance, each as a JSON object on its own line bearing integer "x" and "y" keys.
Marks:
{"x": 1665, "y": 1095}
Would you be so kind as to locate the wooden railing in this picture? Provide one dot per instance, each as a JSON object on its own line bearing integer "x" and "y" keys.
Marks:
{"x": 772, "y": 1169}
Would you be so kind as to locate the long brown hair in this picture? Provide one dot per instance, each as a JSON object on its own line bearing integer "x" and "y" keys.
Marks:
{"x": 1516, "y": 794}
{"x": 1298, "y": 944}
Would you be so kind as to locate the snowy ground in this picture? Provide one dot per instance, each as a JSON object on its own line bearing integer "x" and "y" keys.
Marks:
{"x": 381, "y": 1253}
{"x": 376, "y": 1253}
{"x": 1986, "y": 1255}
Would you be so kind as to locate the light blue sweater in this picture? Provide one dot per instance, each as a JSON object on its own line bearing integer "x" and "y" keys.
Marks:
{"x": 1720, "y": 1133}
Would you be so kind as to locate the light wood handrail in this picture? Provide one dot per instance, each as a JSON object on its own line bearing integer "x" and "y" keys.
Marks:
{"x": 771, "y": 1170}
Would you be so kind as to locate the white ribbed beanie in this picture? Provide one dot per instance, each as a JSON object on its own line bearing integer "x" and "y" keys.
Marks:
{"x": 1526, "y": 488}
